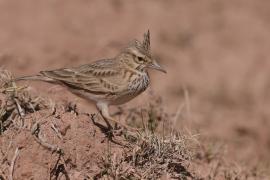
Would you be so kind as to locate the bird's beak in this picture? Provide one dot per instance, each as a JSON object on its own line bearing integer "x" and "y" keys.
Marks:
{"x": 155, "y": 65}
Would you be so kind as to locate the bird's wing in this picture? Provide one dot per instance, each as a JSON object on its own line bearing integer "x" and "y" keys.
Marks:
{"x": 99, "y": 77}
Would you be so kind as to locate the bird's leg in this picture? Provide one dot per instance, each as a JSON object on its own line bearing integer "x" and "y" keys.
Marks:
{"x": 104, "y": 110}
{"x": 106, "y": 120}
{"x": 103, "y": 128}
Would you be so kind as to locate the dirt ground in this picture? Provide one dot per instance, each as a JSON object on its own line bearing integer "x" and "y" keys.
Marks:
{"x": 217, "y": 85}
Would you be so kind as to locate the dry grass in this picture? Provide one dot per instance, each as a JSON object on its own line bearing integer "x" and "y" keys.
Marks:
{"x": 149, "y": 156}
{"x": 16, "y": 102}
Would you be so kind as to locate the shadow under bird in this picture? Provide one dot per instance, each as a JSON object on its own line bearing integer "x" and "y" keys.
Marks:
{"x": 108, "y": 81}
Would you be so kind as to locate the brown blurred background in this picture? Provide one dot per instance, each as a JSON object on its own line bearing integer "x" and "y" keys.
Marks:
{"x": 217, "y": 51}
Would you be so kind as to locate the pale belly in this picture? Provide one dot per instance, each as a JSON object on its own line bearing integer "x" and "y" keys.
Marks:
{"x": 123, "y": 99}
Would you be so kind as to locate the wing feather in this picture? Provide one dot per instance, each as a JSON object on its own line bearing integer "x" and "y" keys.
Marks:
{"x": 99, "y": 77}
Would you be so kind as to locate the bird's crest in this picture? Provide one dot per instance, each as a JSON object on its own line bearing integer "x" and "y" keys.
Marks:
{"x": 146, "y": 41}
{"x": 143, "y": 46}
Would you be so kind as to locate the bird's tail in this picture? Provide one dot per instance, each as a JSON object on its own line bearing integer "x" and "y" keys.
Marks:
{"x": 34, "y": 78}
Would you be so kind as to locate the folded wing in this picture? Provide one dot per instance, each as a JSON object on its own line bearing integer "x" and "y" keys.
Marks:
{"x": 98, "y": 78}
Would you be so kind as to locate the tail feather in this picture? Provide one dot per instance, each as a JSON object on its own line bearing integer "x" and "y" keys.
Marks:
{"x": 35, "y": 78}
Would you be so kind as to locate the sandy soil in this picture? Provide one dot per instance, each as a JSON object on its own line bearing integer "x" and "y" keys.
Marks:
{"x": 215, "y": 52}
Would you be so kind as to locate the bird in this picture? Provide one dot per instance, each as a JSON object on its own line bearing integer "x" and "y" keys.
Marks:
{"x": 106, "y": 82}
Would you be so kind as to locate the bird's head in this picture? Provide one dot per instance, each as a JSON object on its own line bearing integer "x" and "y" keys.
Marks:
{"x": 138, "y": 56}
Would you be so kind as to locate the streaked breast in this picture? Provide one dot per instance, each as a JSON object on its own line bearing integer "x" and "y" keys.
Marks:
{"x": 138, "y": 83}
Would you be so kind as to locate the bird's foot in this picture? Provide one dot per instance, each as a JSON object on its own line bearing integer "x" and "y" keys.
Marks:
{"x": 124, "y": 127}
{"x": 112, "y": 133}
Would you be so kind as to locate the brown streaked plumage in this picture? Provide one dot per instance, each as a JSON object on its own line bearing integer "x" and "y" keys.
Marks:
{"x": 108, "y": 81}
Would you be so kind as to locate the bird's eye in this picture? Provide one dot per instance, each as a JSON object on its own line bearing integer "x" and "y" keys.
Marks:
{"x": 141, "y": 59}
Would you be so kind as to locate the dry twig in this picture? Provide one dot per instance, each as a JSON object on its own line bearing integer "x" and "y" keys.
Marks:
{"x": 11, "y": 170}
{"x": 36, "y": 132}
{"x": 56, "y": 131}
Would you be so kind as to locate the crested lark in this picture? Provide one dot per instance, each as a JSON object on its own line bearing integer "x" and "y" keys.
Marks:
{"x": 108, "y": 81}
